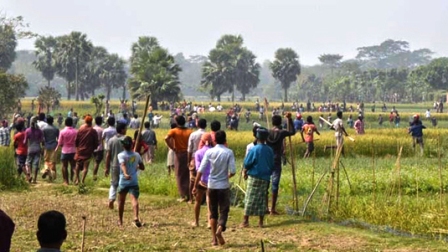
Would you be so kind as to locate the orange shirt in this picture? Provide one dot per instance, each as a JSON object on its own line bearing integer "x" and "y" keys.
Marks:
{"x": 180, "y": 137}
{"x": 309, "y": 129}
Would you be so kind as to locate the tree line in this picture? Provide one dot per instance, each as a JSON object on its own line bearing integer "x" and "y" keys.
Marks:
{"x": 388, "y": 72}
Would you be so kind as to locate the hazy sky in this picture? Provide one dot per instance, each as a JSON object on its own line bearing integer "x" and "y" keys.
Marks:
{"x": 311, "y": 27}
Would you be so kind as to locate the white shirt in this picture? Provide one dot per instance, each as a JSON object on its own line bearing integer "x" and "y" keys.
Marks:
{"x": 194, "y": 139}
{"x": 157, "y": 119}
{"x": 41, "y": 125}
{"x": 219, "y": 107}
{"x": 249, "y": 147}
{"x": 337, "y": 125}
{"x": 428, "y": 114}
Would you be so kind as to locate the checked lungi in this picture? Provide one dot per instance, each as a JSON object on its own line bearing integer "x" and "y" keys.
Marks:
{"x": 255, "y": 200}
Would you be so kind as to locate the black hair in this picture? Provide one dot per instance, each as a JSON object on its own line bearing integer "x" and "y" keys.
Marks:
{"x": 173, "y": 125}
{"x": 202, "y": 123}
{"x": 339, "y": 114}
{"x": 121, "y": 127}
{"x": 276, "y": 120}
{"x": 220, "y": 137}
{"x": 111, "y": 121}
{"x": 180, "y": 120}
{"x": 50, "y": 120}
{"x": 135, "y": 116}
{"x": 41, "y": 117}
{"x": 309, "y": 119}
{"x": 254, "y": 130}
{"x": 51, "y": 228}
{"x": 147, "y": 124}
{"x": 98, "y": 120}
{"x": 69, "y": 121}
{"x": 215, "y": 125}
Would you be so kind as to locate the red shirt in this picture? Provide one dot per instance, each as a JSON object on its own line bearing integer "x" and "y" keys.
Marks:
{"x": 21, "y": 147}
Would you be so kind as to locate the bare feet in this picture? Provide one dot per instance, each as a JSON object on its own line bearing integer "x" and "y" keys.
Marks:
{"x": 219, "y": 236}
{"x": 111, "y": 204}
{"x": 244, "y": 225}
{"x": 273, "y": 212}
{"x": 194, "y": 224}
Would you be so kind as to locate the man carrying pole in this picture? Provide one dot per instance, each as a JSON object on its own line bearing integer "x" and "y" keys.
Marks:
{"x": 275, "y": 140}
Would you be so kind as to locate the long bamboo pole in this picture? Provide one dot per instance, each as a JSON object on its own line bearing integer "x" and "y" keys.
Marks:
{"x": 293, "y": 168}
{"x": 148, "y": 97}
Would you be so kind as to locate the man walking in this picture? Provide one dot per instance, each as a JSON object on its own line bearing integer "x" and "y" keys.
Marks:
{"x": 67, "y": 141}
{"x": 86, "y": 144}
{"x": 149, "y": 137}
{"x": 177, "y": 140}
{"x": 114, "y": 147}
{"x": 193, "y": 145}
{"x": 98, "y": 154}
{"x": 222, "y": 161}
{"x": 51, "y": 134}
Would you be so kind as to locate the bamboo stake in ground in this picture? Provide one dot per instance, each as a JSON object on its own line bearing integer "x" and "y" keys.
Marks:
{"x": 293, "y": 167}
{"x": 440, "y": 171}
{"x": 141, "y": 124}
{"x": 312, "y": 193}
{"x": 84, "y": 220}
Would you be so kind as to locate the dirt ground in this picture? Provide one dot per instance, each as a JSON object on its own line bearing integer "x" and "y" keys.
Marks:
{"x": 167, "y": 227}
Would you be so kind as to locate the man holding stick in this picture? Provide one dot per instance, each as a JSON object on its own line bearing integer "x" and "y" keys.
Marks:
{"x": 275, "y": 140}
{"x": 338, "y": 126}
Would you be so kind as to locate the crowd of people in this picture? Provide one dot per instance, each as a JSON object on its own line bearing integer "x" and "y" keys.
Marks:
{"x": 201, "y": 160}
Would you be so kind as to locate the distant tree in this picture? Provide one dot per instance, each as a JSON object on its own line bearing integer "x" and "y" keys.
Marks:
{"x": 11, "y": 29}
{"x": 12, "y": 88}
{"x": 45, "y": 62}
{"x": 72, "y": 55}
{"x": 285, "y": 68}
{"x": 48, "y": 96}
{"x": 113, "y": 74}
{"x": 392, "y": 54}
{"x": 436, "y": 73}
{"x": 154, "y": 72}
{"x": 331, "y": 60}
{"x": 247, "y": 72}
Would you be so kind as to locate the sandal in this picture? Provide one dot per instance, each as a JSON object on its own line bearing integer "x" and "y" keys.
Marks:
{"x": 137, "y": 223}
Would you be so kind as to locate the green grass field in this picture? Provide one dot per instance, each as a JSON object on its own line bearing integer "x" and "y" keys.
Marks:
{"x": 385, "y": 203}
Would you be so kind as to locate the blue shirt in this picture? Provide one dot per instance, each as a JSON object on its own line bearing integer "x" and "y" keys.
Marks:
{"x": 298, "y": 124}
{"x": 417, "y": 130}
{"x": 131, "y": 160}
{"x": 260, "y": 162}
{"x": 222, "y": 163}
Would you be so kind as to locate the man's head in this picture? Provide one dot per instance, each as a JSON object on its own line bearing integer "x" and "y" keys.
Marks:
{"x": 111, "y": 121}
{"x": 41, "y": 116}
{"x": 51, "y": 231}
{"x": 69, "y": 122}
{"x": 255, "y": 128}
{"x": 50, "y": 120}
{"x": 202, "y": 123}
{"x": 220, "y": 137}
{"x": 121, "y": 128}
{"x": 127, "y": 143}
{"x": 206, "y": 139}
{"x": 215, "y": 125}
{"x": 135, "y": 116}
{"x": 147, "y": 125}
{"x": 277, "y": 120}
{"x": 180, "y": 120}
{"x": 309, "y": 119}
{"x": 262, "y": 134}
{"x": 88, "y": 119}
{"x": 98, "y": 120}
{"x": 339, "y": 114}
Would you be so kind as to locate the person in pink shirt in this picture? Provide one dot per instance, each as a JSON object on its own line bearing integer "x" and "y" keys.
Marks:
{"x": 66, "y": 140}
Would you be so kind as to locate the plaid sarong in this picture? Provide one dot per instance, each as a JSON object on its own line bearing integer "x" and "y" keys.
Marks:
{"x": 255, "y": 200}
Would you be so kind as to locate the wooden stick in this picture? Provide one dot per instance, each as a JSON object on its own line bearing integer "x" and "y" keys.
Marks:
{"x": 84, "y": 220}
{"x": 266, "y": 111}
{"x": 148, "y": 97}
{"x": 329, "y": 123}
{"x": 293, "y": 167}
{"x": 239, "y": 183}
{"x": 312, "y": 193}
{"x": 440, "y": 171}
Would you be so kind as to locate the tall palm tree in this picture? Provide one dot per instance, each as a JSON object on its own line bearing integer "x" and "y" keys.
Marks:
{"x": 75, "y": 49}
{"x": 45, "y": 62}
{"x": 285, "y": 68}
{"x": 154, "y": 72}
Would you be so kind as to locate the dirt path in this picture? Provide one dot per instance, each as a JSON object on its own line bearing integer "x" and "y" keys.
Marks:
{"x": 168, "y": 227}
